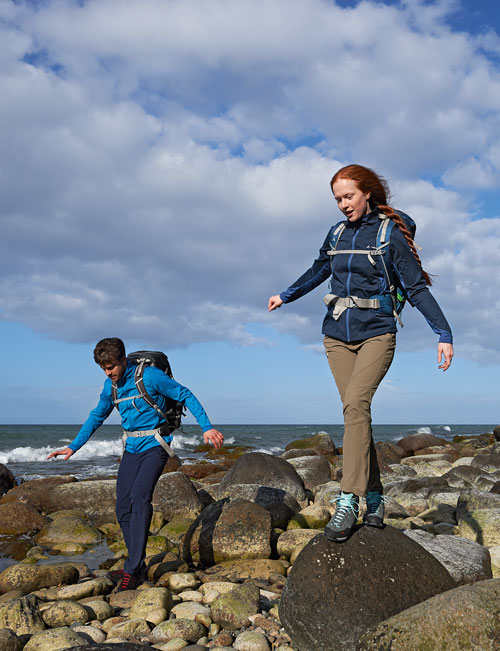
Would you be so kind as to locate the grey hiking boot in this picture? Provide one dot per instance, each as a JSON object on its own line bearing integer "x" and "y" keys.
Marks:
{"x": 346, "y": 515}
{"x": 374, "y": 516}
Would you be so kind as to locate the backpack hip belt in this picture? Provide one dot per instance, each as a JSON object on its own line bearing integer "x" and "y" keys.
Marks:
{"x": 342, "y": 303}
{"x": 157, "y": 433}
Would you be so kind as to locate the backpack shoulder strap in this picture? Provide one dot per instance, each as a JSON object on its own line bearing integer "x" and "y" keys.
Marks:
{"x": 139, "y": 383}
{"x": 337, "y": 231}
{"x": 384, "y": 231}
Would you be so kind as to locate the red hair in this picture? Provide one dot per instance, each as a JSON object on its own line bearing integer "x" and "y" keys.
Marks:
{"x": 369, "y": 182}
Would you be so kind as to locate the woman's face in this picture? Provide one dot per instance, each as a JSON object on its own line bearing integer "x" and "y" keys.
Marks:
{"x": 350, "y": 199}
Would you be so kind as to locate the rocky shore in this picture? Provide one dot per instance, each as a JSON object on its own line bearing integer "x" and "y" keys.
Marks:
{"x": 237, "y": 558}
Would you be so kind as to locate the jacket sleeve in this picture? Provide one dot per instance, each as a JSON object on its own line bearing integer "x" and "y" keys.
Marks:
{"x": 410, "y": 275}
{"x": 166, "y": 386}
{"x": 96, "y": 418}
{"x": 319, "y": 271}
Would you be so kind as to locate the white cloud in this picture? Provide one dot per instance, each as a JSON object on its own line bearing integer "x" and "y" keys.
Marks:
{"x": 165, "y": 165}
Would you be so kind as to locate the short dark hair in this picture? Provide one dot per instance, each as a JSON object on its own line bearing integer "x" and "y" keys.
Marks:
{"x": 109, "y": 350}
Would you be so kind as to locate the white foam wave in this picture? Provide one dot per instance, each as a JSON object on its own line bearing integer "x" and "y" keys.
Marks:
{"x": 181, "y": 442}
{"x": 90, "y": 450}
{"x": 230, "y": 440}
{"x": 447, "y": 428}
{"x": 424, "y": 430}
{"x": 274, "y": 450}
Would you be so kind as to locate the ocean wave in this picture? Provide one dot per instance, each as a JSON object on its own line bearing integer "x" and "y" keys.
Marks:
{"x": 274, "y": 450}
{"x": 180, "y": 442}
{"x": 424, "y": 430}
{"x": 91, "y": 450}
{"x": 447, "y": 428}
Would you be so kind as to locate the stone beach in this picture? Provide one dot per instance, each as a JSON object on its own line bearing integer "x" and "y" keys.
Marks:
{"x": 237, "y": 558}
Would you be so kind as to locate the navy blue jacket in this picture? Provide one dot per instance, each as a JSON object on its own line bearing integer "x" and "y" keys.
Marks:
{"x": 354, "y": 275}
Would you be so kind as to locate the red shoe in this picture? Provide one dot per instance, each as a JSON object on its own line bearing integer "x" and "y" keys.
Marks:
{"x": 130, "y": 581}
{"x": 116, "y": 576}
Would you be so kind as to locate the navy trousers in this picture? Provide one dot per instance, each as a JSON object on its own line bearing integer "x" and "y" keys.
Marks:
{"x": 137, "y": 477}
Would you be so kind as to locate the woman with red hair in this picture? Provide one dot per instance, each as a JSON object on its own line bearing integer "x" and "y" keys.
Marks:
{"x": 371, "y": 261}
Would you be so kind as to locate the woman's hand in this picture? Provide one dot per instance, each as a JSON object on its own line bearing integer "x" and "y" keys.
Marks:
{"x": 214, "y": 437}
{"x": 447, "y": 351}
{"x": 274, "y": 302}
{"x": 66, "y": 452}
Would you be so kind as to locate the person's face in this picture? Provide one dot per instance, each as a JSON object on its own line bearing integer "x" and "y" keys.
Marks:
{"x": 350, "y": 199}
{"x": 115, "y": 370}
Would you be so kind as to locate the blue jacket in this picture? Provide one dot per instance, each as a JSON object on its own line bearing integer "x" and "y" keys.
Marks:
{"x": 354, "y": 275}
{"x": 142, "y": 416}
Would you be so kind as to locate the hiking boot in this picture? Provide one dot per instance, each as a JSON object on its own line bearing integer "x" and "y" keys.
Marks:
{"x": 374, "y": 516}
{"x": 116, "y": 576}
{"x": 130, "y": 581}
{"x": 346, "y": 515}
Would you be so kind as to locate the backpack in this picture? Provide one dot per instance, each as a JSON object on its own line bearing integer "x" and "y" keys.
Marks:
{"x": 395, "y": 300}
{"x": 174, "y": 410}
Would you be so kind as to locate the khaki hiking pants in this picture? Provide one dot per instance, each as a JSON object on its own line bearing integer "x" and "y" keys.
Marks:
{"x": 358, "y": 369}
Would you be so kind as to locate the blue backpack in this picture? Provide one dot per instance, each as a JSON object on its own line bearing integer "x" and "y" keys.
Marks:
{"x": 392, "y": 301}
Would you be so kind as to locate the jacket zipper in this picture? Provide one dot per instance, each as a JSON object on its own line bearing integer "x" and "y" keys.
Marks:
{"x": 348, "y": 284}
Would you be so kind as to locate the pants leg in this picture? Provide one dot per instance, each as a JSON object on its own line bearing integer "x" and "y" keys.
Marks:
{"x": 358, "y": 369}
{"x": 137, "y": 478}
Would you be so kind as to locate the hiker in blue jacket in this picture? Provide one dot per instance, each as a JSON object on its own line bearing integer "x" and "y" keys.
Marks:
{"x": 360, "y": 323}
{"x": 146, "y": 445}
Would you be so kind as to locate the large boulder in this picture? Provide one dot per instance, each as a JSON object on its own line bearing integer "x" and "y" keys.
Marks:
{"x": 414, "y": 442}
{"x": 35, "y": 491}
{"x": 176, "y": 496}
{"x": 69, "y": 529}
{"x": 465, "y": 560}
{"x": 280, "y": 504}
{"x": 320, "y": 442}
{"x": 29, "y": 578}
{"x": 22, "y": 616}
{"x": 312, "y": 470}
{"x": 96, "y": 498}
{"x": 463, "y": 618}
{"x": 489, "y": 460}
{"x": 17, "y": 518}
{"x": 267, "y": 470}
{"x": 56, "y": 639}
{"x": 335, "y": 592}
{"x": 7, "y": 479}
{"x": 227, "y": 530}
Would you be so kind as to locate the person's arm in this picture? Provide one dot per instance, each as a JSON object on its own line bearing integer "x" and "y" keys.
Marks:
{"x": 317, "y": 273}
{"x": 410, "y": 275}
{"x": 96, "y": 418}
{"x": 166, "y": 386}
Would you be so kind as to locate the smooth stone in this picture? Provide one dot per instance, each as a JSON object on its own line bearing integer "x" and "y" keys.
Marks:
{"x": 293, "y": 538}
{"x": 233, "y": 609}
{"x": 56, "y": 639}
{"x": 234, "y": 571}
{"x": 92, "y": 588}
{"x": 33, "y": 577}
{"x": 185, "y": 629}
{"x": 100, "y": 610}
{"x": 153, "y": 605}
{"x": 463, "y": 618}
{"x": 189, "y": 610}
{"x": 183, "y": 580}
{"x": 65, "y": 613}
{"x": 136, "y": 628}
{"x": 280, "y": 504}
{"x": 191, "y": 595}
{"x": 17, "y": 518}
{"x": 69, "y": 529}
{"x": 311, "y": 517}
{"x": 96, "y": 634}
{"x": 251, "y": 641}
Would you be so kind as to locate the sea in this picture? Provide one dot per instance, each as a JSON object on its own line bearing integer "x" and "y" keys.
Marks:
{"x": 24, "y": 448}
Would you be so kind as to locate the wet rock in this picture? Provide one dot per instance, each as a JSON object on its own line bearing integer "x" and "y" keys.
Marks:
{"x": 266, "y": 470}
{"x": 320, "y": 442}
{"x": 335, "y": 592}
{"x": 463, "y": 618}
{"x": 280, "y": 504}
{"x": 22, "y": 616}
{"x": 233, "y": 609}
{"x": 465, "y": 560}
{"x": 226, "y": 530}
{"x": 176, "y": 496}
{"x": 17, "y": 518}
{"x": 65, "y": 613}
{"x": 33, "y": 577}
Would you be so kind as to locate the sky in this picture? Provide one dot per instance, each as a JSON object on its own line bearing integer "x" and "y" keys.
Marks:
{"x": 165, "y": 168}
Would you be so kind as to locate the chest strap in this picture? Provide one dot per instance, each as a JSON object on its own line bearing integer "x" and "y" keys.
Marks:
{"x": 157, "y": 433}
{"x": 342, "y": 303}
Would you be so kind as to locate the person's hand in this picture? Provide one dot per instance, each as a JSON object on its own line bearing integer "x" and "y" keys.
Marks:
{"x": 65, "y": 452}
{"x": 445, "y": 350}
{"x": 214, "y": 437}
{"x": 274, "y": 302}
